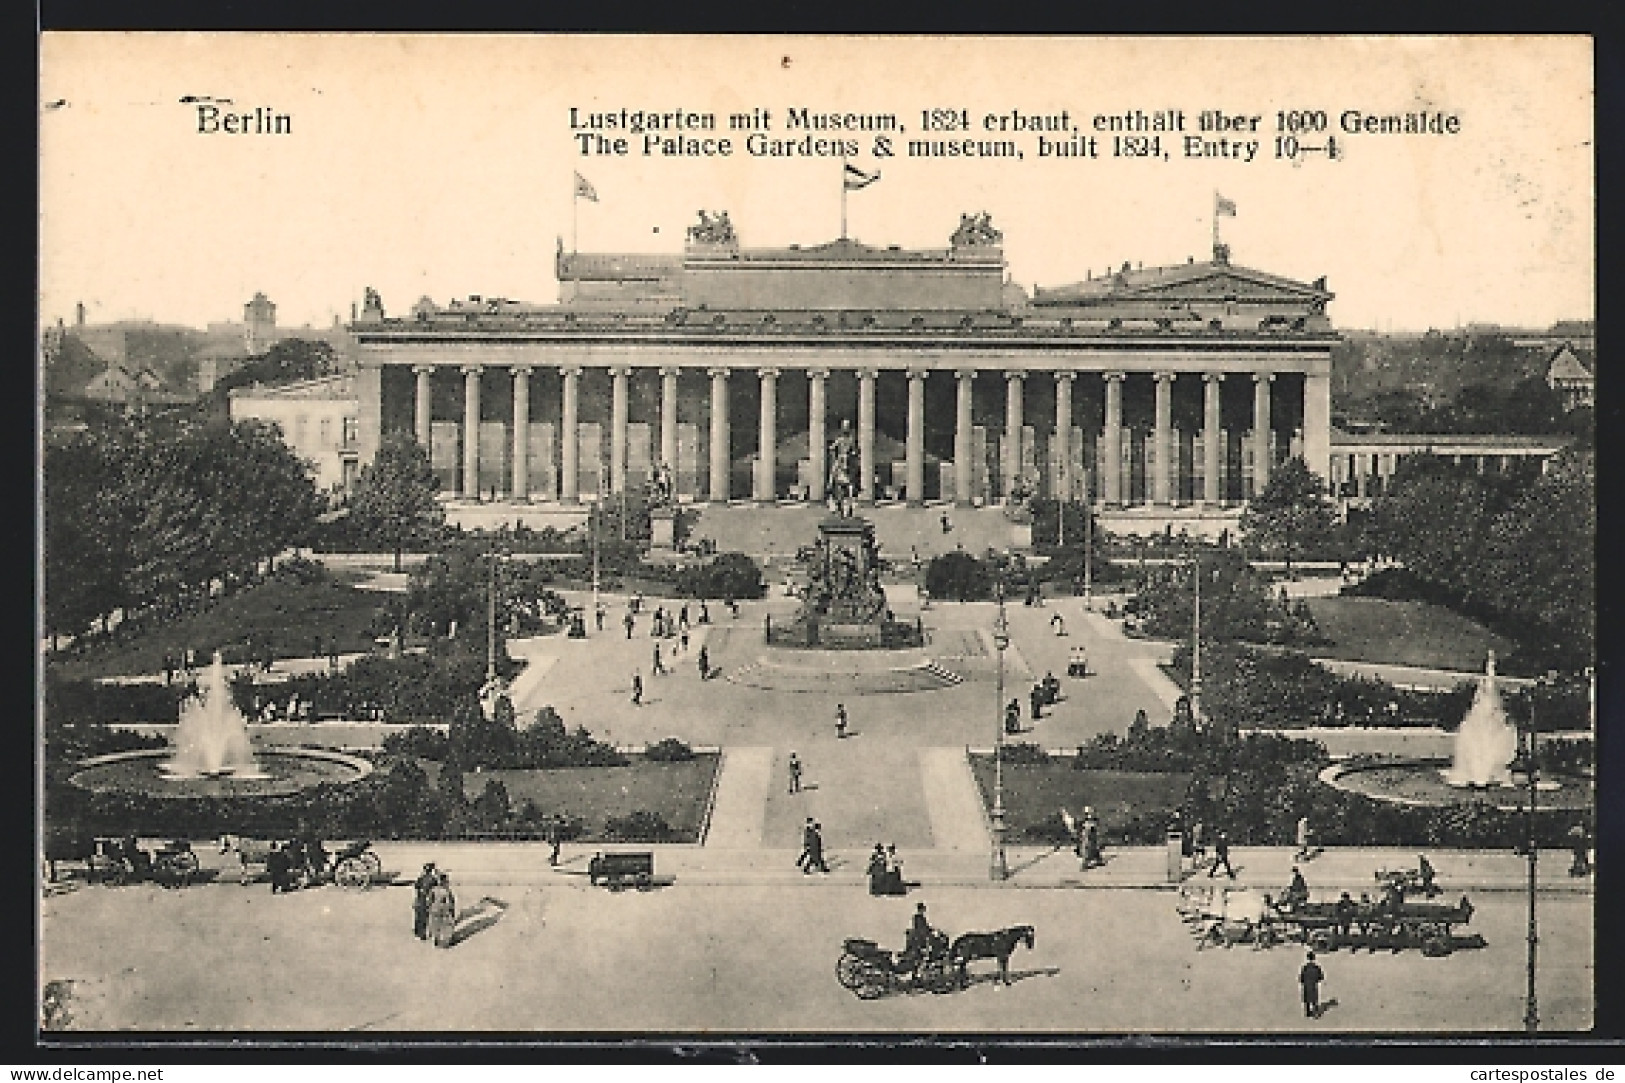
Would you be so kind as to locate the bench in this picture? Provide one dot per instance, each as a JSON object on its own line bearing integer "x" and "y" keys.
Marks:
{"x": 622, "y": 870}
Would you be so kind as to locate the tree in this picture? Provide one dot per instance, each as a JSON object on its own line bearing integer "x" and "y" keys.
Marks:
{"x": 1291, "y": 516}
{"x": 959, "y": 576}
{"x": 394, "y": 501}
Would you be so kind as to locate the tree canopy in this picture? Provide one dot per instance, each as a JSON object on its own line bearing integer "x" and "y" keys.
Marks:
{"x": 140, "y": 513}
{"x": 394, "y": 501}
{"x": 1292, "y": 517}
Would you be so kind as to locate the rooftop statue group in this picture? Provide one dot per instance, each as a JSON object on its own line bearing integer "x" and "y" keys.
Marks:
{"x": 975, "y": 229}
{"x": 711, "y": 230}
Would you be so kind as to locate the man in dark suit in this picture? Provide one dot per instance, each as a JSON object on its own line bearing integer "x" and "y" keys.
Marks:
{"x": 420, "y": 901}
{"x": 815, "y": 850}
{"x": 804, "y": 861}
{"x": 277, "y": 867}
{"x": 1221, "y": 855}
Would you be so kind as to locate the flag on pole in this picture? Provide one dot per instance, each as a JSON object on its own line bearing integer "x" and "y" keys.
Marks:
{"x": 585, "y": 190}
{"x": 1223, "y": 206}
{"x": 854, "y": 178}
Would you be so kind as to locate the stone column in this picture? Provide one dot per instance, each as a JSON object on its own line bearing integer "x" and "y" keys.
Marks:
{"x": 1162, "y": 476}
{"x": 817, "y": 434}
{"x": 471, "y": 431}
{"x": 719, "y": 435}
{"x": 668, "y": 420}
{"x": 1111, "y": 462}
{"x": 914, "y": 441}
{"x": 767, "y": 436}
{"x": 1212, "y": 383}
{"x": 964, "y": 472}
{"x": 617, "y": 428}
{"x": 866, "y": 434}
{"x": 1317, "y": 422}
{"x": 521, "y": 433}
{"x": 423, "y": 406}
{"x": 1261, "y": 430}
{"x": 1063, "y": 435}
{"x": 570, "y": 437}
{"x": 1012, "y": 429}
{"x": 1362, "y": 466}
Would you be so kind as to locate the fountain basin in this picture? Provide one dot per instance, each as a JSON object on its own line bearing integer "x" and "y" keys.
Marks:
{"x": 280, "y": 772}
{"x": 1421, "y": 784}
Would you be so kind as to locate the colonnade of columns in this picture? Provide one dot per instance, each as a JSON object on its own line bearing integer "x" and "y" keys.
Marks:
{"x": 1161, "y": 477}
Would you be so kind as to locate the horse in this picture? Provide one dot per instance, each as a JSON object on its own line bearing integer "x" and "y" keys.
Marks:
{"x": 248, "y": 851}
{"x": 1000, "y": 945}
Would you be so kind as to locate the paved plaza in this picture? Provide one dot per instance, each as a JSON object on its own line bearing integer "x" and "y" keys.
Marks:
{"x": 743, "y": 941}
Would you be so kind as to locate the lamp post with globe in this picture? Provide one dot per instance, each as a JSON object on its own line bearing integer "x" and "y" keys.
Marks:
{"x": 1000, "y": 869}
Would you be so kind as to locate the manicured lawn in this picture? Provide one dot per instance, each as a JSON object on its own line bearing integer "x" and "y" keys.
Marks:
{"x": 1404, "y": 633}
{"x": 676, "y": 791}
{"x": 1129, "y": 804}
{"x": 290, "y": 617}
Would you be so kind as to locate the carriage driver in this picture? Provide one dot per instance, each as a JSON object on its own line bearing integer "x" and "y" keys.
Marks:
{"x": 917, "y": 942}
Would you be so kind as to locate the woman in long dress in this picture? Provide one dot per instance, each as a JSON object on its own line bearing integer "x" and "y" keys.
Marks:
{"x": 442, "y": 912}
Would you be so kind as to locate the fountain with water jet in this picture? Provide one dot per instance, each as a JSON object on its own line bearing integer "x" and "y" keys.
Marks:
{"x": 1481, "y": 768}
{"x": 212, "y": 738}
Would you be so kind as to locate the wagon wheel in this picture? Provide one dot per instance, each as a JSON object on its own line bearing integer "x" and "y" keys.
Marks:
{"x": 874, "y": 980}
{"x": 847, "y": 968}
{"x": 353, "y": 872}
{"x": 938, "y": 976}
{"x": 374, "y": 863}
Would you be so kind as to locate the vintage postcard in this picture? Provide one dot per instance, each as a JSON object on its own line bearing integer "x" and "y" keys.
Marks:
{"x": 570, "y": 535}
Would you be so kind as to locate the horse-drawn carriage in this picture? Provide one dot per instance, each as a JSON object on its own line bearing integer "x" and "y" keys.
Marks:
{"x": 871, "y": 971}
{"x": 1224, "y": 917}
{"x": 118, "y": 861}
{"x": 356, "y": 865}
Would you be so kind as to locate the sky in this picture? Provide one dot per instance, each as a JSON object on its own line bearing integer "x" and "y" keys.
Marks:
{"x": 444, "y": 165}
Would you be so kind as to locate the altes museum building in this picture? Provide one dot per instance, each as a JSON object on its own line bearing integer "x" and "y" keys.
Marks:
{"x": 1162, "y": 394}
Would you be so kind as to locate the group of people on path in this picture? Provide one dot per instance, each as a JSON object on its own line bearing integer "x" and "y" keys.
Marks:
{"x": 886, "y": 872}
{"x": 812, "y": 848}
{"x": 297, "y": 863}
{"x": 434, "y": 907}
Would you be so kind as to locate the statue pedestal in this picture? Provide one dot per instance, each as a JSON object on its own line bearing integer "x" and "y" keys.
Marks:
{"x": 663, "y": 528}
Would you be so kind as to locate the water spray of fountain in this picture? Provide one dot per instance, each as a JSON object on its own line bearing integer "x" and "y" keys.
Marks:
{"x": 1487, "y": 742}
{"x": 212, "y": 738}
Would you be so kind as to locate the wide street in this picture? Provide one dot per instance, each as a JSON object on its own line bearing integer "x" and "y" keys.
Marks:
{"x": 759, "y": 958}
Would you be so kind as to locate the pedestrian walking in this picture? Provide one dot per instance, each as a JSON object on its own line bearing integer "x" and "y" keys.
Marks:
{"x": 682, "y": 640}
{"x": 637, "y": 690}
{"x": 442, "y": 912}
{"x": 704, "y": 663}
{"x": 682, "y": 617}
{"x": 628, "y": 622}
{"x": 947, "y": 524}
{"x": 1303, "y": 838}
{"x": 1057, "y": 624}
{"x": 1089, "y": 840}
{"x": 795, "y": 773}
{"x": 420, "y": 900}
{"x": 169, "y": 668}
{"x": 598, "y": 616}
{"x": 191, "y": 659}
{"x": 840, "y": 720}
{"x": 1580, "y": 844}
{"x": 1035, "y": 699}
{"x": 1221, "y": 855}
{"x": 659, "y": 667}
{"x": 705, "y": 612}
{"x": 1309, "y": 978}
{"x": 555, "y": 836}
{"x": 815, "y": 850}
{"x": 332, "y": 655}
{"x": 803, "y": 860}
{"x": 278, "y": 867}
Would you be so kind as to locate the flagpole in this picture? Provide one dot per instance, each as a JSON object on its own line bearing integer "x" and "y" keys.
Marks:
{"x": 843, "y": 199}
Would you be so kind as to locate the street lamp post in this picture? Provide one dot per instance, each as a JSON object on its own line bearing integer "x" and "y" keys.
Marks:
{"x": 1531, "y": 1016}
{"x": 999, "y": 869}
{"x": 1196, "y": 643}
{"x": 491, "y": 614}
{"x": 1088, "y": 540}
